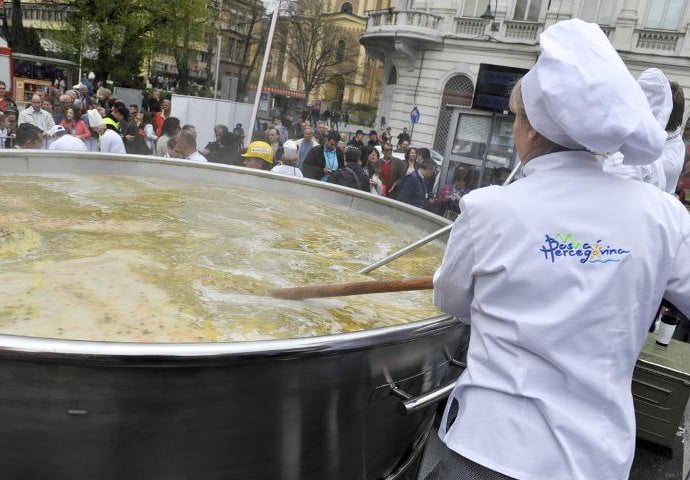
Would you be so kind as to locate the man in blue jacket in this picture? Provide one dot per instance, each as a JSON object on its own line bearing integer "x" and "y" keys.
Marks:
{"x": 415, "y": 188}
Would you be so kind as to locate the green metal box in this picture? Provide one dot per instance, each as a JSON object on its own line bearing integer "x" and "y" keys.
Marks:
{"x": 661, "y": 388}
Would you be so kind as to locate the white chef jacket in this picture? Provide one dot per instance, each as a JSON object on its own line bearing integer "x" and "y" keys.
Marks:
{"x": 68, "y": 142}
{"x": 196, "y": 157}
{"x": 559, "y": 275}
{"x": 672, "y": 160}
{"x": 651, "y": 173}
{"x": 111, "y": 142}
{"x": 287, "y": 170}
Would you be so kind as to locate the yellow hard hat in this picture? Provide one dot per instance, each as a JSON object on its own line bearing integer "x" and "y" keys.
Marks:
{"x": 260, "y": 150}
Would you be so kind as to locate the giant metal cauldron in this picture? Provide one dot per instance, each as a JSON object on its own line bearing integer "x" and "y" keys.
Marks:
{"x": 308, "y": 408}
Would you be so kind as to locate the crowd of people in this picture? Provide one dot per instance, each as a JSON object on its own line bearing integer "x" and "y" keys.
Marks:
{"x": 90, "y": 118}
{"x": 375, "y": 162}
{"x": 81, "y": 119}
{"x": 87, "y": 117}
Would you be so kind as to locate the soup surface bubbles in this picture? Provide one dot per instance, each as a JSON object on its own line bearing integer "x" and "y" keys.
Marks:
{"x": 136, "y": 259}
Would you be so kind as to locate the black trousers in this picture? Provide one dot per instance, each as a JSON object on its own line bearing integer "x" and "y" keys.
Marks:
{"x": 453, "y": 466}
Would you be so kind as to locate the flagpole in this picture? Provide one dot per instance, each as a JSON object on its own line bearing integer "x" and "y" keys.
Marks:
{"x": 264, "y": 65}
{"x": 218, "y": 41}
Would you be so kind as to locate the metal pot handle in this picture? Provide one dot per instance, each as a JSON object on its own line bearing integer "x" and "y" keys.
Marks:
{"x": 412, "y": 404}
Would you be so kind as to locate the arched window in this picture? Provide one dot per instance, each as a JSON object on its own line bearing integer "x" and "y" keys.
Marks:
{"x": 392, "y": 76}
{"x": 457, "y": 92}
{"x": 346, "y": 8}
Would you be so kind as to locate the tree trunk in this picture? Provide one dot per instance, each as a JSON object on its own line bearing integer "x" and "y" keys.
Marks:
{"x": 20, "y": 39}
{"x": 182, "y": 58}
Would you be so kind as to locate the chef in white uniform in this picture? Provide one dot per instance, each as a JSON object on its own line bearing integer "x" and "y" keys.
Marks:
{"x": 559, "y": 275}
{"x": 673, "y": 157}
{"x": 108, "y": 140}
{"x": 657, "y": 89}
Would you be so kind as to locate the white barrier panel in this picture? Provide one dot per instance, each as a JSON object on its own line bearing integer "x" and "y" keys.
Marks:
{"x": 206, "y": 113}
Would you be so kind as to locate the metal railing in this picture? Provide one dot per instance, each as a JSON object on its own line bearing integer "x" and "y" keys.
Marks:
{"x": 45, "y": 13}
{"x": 608, "y": 30}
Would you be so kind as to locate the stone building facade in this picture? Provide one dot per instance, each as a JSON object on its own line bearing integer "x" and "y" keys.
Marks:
{"x": 362, "y": 87}
{"x": 433, "y": 51}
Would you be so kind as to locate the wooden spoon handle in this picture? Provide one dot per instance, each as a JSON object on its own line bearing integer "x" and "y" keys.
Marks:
{"x": 354, "y": 288}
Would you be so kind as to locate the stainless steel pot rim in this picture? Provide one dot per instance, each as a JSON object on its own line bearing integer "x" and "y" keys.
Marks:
{"x": 263, "y": 348}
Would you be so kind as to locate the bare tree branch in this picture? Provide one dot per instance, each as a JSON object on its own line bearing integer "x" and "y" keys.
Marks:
{"x": 316, "y": 48}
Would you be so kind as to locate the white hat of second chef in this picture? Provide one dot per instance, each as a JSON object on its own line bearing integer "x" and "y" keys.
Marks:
{"x": 290, "y": 148}
{"x": 657, "y": 89}
{"x": 55, "y": 129}
{"x": 580, "y": 94}
{"x": 95, "y": 119}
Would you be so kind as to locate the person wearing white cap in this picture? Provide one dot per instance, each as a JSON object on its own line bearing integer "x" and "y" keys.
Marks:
{"x": 559, "y": 276}
{"x": 109, "y": 141}
{"x": 288, "y": 162}
{"x": 64, "y": 141}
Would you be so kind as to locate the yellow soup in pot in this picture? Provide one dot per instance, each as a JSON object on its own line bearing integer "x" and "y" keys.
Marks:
{"x": 157, "y": 260}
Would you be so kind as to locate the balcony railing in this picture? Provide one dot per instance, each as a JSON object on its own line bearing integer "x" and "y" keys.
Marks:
{"x": 45, "y": 13}
{"x": 658, "y": 40}
{"x": 404, "y": 18}
{"x": 608, "y": 30}
{"x": 522, "y": 30}
{"x": 470, "y": 27}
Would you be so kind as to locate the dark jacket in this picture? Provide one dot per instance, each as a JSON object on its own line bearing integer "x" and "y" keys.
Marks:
{"x": 351, "y": 175}
{"x": 414, "y": 190}
{"x": 227, "y": 155}
{"x": 315, "y": 162}
{"x": 396, "y": 176}
{"x": 356, "y": 143}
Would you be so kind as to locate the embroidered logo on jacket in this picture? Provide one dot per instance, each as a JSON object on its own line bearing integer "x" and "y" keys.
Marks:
{"x": 565, "y": 245}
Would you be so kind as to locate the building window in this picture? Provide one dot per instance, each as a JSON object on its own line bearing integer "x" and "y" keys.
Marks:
{"x": 473, "y": 8}
{"x": 664, "y": 14}
{"x": 471, "y": 139}
{"x": 392, "y": 76}
{"x": 457, "y": 92}
{"x": 527, "y": 10}
{"x": 346, "y": 8}
{"x": 602, "y": 12}
{"x": 340, "y": 52}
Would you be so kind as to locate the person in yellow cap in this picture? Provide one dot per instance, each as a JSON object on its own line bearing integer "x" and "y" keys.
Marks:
{"x": 258, "y": 155}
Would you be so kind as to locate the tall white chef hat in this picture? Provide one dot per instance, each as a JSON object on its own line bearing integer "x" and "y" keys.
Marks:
{"x": 95, "y": 119}
{"x": 580, "y": 94}
{"x": 290, "y": 149}
{"x": 657, "y": 89}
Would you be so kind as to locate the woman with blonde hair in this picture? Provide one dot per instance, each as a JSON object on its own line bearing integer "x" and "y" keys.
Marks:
{"x": 559, "y": 276}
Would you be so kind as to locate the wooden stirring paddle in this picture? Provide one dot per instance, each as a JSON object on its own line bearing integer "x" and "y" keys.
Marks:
{"x": 354, "y": 288}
